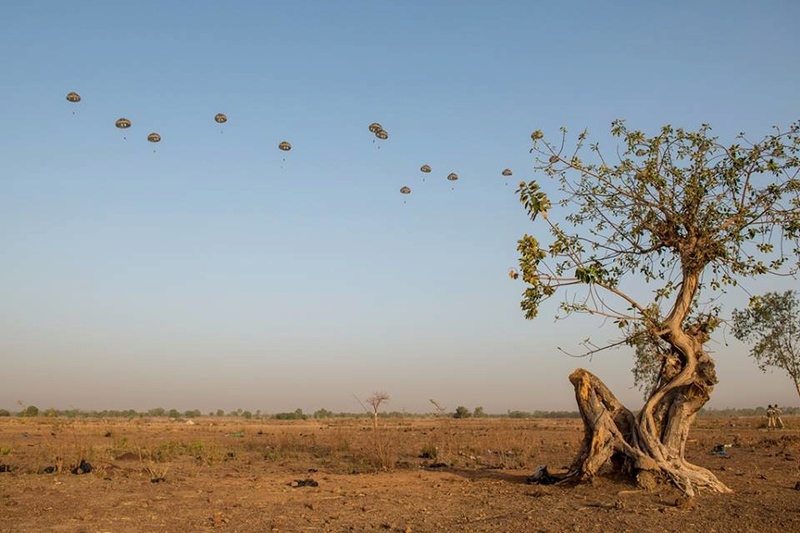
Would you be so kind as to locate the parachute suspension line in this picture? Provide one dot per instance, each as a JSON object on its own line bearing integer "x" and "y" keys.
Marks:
{"x": 381, "y": 134}
{"x": 73, "y": 98}
{"x": 154, "y": 138}
{"x": 405, "y": 190}
{"x": 221, "y": 118}
{"x": 284, "y": 146}
{"x": 123, "y": 124}
{"x": 425, "y": 169}
{"x": 507, "y": 173}
{"x": 452, "y": 177}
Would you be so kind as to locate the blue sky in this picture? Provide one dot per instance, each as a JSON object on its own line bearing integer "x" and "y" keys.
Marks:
{"x": 218, "y": 272}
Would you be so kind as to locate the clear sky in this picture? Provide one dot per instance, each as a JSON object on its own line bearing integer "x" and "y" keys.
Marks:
{"x": 219, "y": 272}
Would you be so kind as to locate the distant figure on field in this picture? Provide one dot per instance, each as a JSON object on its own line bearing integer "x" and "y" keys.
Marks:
{"x": 776, "y": 415}
{"x": 770, "y": 417}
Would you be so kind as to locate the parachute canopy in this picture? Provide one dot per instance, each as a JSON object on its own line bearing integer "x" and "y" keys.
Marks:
{"x": 382, "y": 135}
{"x": 73, "y": 97}
{"x": 452, "y": 176}
{"x": 507, "y": 172}
{"x": 221, "y": 118}
{"x": 375, "y": 127}
{"x": 154, "y": 137}
{"x": 285, "y": 146}
{"x": 425, "y": 168}
{"x": 405, "y": 190}
{"x": 123, "y": 123}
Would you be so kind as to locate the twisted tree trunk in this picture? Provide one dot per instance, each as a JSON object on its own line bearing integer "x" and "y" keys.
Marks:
{"x": 646, "y": 447}
{"x": 651, "y": 444}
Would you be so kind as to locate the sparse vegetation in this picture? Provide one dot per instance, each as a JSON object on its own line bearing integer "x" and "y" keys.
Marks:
{"x": 772, "y": 323}
{"x": 30, "y": 410}
{"x": 226, "y": 458}
{"x": 296, "y": 415}
{"x": 381, "y": 444}
{"x": 462, "y": 412}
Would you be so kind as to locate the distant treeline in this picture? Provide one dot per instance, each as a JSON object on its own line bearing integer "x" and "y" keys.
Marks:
{"x": 755, "y": 411}
{"x": 298, "y": 414}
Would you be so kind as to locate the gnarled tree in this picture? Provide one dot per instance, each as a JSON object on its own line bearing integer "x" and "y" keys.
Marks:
{"x": 674, "y": 216}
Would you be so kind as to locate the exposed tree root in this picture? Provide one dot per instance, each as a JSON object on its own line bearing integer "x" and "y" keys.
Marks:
{"x": 612, "y": 433}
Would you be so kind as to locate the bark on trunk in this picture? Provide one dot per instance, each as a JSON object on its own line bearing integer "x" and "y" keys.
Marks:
{"x": 648, "y": 446}
{"x": 652, "y": 443}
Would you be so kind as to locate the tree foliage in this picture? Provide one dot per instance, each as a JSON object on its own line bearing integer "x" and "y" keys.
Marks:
{"x": 674, "y": 207}
{"x": 30, "y": 410}
{"x": 772, "y": 323}
{"x": 462, "y": 412}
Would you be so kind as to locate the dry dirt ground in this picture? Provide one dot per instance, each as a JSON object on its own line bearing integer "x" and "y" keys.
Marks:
{"x": 411, "y": 475}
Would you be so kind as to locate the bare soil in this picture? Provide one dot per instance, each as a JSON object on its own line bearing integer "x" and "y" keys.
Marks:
{"x": 409, "y": 475}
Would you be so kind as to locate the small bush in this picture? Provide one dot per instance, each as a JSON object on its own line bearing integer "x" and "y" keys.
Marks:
{"x": 31, "y": 410}
{"x": 429, "y": 452}
{"x": 462, "y": 412}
